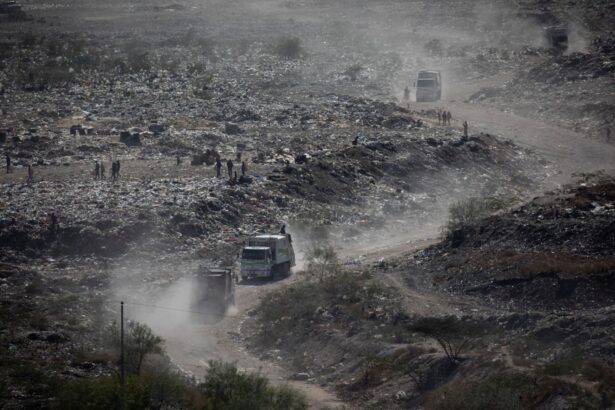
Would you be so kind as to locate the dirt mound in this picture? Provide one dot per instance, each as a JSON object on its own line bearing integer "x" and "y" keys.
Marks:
{"x": 556, "y": 250}
{"x": 573, "y": 67}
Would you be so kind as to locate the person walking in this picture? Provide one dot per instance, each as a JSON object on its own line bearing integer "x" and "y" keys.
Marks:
{"x": 244, "y": 168}
{"x": 102, "y": 170}
{"x": 30, "y": 173}
{"x": 465, "y": 129}
{"x": 218, "y": 167}
{"x": 117, "y": 169}
{"x": 439, "y": 117}
{"x": 407, "y": 97}
{"x": 53, "y": 222}
{"x": 97, "y": 170}
{"x": 229, "y": 167}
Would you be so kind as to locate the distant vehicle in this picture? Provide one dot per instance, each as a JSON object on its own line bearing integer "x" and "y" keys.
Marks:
{"x": 267, "y": 256}
{"x": 215, "y": 290}
{"x": 9, "y": 7}
{"x": 428, "y": 86}
{"x": 557, "y": 37}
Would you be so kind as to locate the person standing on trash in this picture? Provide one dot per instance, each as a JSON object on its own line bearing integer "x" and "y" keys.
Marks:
{"x": 113, "y": 170}
{"x": 465, "y": 129}
{"x": 30, "y": 173}
{"x": 448, "y": 117}
{"x": 53, "y": 222}
{"x": 218, "y": 167}
{"x": 283, "y": 229}
{"x": 229, "y": 167}
{"x": 244, "y": 168}
{"x": 97, "y": 170}
{"x": 102, "y": 170}
{"x": 407, "y": 97}
{"x": 178, "y": 160}
{"x": 8, "y": 163}
{"x": 439, "y": 118}
{"x": 117, "y": 168}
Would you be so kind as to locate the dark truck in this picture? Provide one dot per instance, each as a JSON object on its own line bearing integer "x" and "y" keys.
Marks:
{"x": 428, "y": 86}
{"x": 557, "y": 37}
{"x": 214, "y": 290}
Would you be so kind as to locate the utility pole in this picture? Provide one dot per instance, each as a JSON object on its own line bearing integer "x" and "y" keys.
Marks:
{"x": 122, "y": 388}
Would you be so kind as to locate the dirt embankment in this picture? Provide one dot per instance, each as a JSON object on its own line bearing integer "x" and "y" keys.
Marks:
{"x": 525, "y": 294}
{"x": 554, "y": 252}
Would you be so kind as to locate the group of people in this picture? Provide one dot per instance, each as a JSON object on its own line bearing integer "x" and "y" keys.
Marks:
{"x": 99, "y": 170}
{"x": 229, "y": 167}
{"x": 9, "y": 169}
{"x": 444, "y": 117}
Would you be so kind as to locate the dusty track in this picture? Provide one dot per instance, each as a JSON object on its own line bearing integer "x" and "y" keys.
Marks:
{"x": 223, "y": 341}
{"x": 570, "y": 152}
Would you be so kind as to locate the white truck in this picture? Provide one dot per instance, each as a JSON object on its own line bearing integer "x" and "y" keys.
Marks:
{"x": 267, "y": 256}
{"x": 428, "y": 86}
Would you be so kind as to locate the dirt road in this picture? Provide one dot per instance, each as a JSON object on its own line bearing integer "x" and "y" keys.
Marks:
{"x": 195, "y": 340}
{"x": 567, "y": 150}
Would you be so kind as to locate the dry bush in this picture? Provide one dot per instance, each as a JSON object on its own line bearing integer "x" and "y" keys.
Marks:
{"x": 322, "y": 261}
{"x": 353, "y": 71}
{"x": 374, "y": 369}
{"x": 534, "y": 263}
{"x": 289, "y": 48}
{"x": 469, "y": 211}
{"x": 598, "y": 372}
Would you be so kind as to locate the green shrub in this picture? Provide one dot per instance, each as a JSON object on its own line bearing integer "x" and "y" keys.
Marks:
{"x": 139, "y": 341}
{"x": 228, "y": 389}
{"x": 345, "y": 299}
{"x": 102, "y": 393}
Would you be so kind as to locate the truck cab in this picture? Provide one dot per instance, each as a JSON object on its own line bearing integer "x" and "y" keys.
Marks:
{"x": 428, "y": 86}
{"x": 266, "y": 256}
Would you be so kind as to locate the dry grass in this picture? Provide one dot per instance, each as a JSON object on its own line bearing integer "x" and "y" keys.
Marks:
{"x": 536, "y": 263}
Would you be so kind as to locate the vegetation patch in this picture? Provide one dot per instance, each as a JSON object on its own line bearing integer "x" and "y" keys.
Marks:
{"x": 343, "y": 300}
